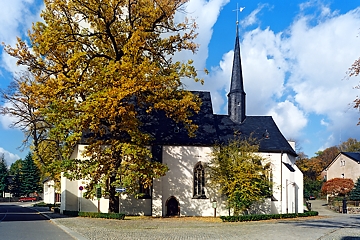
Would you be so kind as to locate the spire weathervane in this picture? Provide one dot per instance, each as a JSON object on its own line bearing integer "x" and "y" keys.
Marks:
{"x": 237, "y": 12}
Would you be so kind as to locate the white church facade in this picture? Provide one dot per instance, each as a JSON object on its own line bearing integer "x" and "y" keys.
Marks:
{"x": 183, "y": 191}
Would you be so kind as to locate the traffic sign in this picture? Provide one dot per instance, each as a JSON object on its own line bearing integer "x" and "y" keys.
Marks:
{"x": 120, "y": 189}
{"x": 81, "y": 188}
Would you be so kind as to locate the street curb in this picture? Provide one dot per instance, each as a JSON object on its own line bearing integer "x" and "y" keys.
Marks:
{"x": 72, "y": 233}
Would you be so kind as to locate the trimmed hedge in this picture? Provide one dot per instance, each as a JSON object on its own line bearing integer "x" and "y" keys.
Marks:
{"x": 119, "y": 216}
{"x": 247, "y": 218}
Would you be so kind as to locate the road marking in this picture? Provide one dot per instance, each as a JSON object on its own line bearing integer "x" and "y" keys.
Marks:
{"x": 7, "y": 210}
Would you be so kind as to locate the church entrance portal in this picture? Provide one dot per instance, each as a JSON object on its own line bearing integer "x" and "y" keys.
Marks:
{"x": 172, "y": 207}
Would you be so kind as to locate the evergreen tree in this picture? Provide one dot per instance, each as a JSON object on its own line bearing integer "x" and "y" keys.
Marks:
{"x": 3, "y": 175}
{"x": 16, "y": 167}
{"x": 30, "y": 177}
{"x": 355, "y": 192}
{"x": 15, "y": 172}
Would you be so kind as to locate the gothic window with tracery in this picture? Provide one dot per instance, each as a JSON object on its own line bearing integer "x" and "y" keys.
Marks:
{"x": 199, "y": 181}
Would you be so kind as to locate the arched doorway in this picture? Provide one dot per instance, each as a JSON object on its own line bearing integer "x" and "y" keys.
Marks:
{"x": 172, "y": 207}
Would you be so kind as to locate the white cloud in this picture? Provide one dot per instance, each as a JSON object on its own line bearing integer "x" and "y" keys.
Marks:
{"x": 292, "y": 75}
{"x": 5, "y": 120}
{"x": 289, "y": 119}
{"x": 324, "y": 123}
{"x": 205, "y": 13}
{"x": 252, "y": 18}
{"x": 9, "y": 157}
{"x": 319, "y": 57}
{"x": 16, "y": 19}
{"x": 297, "y": 74}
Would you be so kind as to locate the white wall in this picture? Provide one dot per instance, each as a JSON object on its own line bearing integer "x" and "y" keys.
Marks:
{"x": 287, "y": 185}
{"x": 49, "y": 192}
{"x": 343, "y": 166}
{"x": 178, "y": 183}
{"x": 132, "y": 206}
{"x": 72, "y": 197}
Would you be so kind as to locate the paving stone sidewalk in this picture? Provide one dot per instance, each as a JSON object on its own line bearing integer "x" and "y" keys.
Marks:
{"x": 329, "y": 226}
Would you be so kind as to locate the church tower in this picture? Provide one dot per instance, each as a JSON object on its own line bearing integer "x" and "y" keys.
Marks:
{"x": 236, "y": 96}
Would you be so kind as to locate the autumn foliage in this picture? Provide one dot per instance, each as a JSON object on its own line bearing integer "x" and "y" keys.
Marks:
{"x": 91, "y": 65}
{"x": 237, "y": 172}
{"x": 338, "y": 186}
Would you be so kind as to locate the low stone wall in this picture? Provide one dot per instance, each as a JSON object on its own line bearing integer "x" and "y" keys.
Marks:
{"x": 335, "y": 208}
{"x": 353, "y": 210}
{"x": 352, "y": 207}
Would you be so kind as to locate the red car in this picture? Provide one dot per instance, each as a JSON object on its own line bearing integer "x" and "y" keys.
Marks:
{"x": 27, "y": 199}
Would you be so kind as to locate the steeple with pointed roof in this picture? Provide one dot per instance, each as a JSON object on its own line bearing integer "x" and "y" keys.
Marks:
{"x": 236, "y": 96}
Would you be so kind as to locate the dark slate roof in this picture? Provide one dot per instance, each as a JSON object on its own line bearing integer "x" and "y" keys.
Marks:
{"x": 166, "y": 132}
{"x": 236, "y": 84}
{"x": 263, "y": 128}
{"x": 213, "y": 128}
{"x": 353, "y": 155}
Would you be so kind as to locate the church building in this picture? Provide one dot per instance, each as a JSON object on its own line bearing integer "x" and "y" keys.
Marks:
{"x": 183, "y": 191}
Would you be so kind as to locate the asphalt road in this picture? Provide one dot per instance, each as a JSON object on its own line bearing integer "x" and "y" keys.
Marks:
{"x": 18, "y": 222}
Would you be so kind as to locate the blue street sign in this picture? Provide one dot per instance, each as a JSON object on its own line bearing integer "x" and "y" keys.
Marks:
{"x": 118, "y": 189}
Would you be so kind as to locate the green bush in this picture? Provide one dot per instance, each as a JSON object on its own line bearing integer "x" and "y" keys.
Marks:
{"x": 247, "y": 218}
{"x": 120, "y": 216}
{"x": 40, "y": 204}
{"x": 308, "y": 214}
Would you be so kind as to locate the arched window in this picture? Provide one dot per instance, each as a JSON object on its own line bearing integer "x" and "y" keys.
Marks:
{"x": 199, "y": 181}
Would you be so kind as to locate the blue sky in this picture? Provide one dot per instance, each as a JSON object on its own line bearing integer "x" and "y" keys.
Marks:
{"x": 295, "y": 55}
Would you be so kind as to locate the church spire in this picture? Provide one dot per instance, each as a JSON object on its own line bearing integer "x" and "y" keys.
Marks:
{"x": 236, "y": 96}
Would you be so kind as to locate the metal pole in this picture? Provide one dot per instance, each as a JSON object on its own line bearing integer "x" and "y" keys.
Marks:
{"x": 287, "y": 204}
{"x": 120, "y": 203}
{"x": 98, "y": 205}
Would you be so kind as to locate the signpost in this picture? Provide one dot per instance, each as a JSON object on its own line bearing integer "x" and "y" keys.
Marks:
{"x": 98, "y": 196}
{"x": 120, "y": 190}
{"x": 81, "y": 188}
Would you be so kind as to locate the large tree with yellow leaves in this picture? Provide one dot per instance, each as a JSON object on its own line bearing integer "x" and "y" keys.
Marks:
{"x": 240, "y": 174}
{"x": 93, "y": 64}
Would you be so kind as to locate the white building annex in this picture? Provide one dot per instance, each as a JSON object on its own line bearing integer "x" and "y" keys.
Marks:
{"x": 183, "y": 191}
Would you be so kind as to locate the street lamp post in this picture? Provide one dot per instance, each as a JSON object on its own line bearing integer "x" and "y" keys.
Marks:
{"x": 214, "y": 205}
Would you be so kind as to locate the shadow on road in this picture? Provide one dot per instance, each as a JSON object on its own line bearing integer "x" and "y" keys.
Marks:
{"x": 332, "y": 222}
{"x": 9, "y": 213}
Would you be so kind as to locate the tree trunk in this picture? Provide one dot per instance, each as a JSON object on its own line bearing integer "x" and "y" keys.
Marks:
{"x": 113, "y": 200}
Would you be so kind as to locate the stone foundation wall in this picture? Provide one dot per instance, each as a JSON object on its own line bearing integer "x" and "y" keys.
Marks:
{"x": 353, "y": 210}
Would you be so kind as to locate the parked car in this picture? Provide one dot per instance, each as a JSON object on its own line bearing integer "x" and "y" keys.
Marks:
{"x": 27, "y": 199}
{"x": 312, "y": 198}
